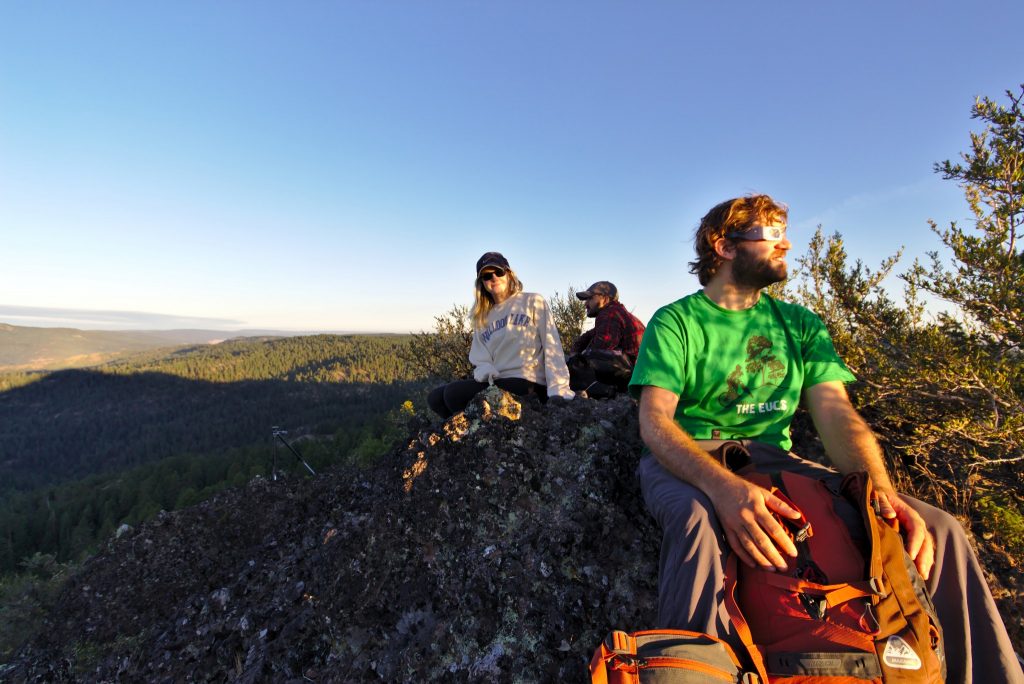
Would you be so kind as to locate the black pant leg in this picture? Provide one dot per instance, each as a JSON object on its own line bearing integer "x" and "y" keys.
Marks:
{"x": 457, "y": 394}
{"x": 435, "y": 400}
{"x": 521, "y": 387}
{"x": 447, "y": 400}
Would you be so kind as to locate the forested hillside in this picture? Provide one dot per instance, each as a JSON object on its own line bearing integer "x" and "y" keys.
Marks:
{"x": 314, "y": 358}
{"x": 82, "y": 451}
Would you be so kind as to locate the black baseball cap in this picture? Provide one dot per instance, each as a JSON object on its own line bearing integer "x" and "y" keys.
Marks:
{"x": 492, "y": 259}
{"x": 601, "y": 287}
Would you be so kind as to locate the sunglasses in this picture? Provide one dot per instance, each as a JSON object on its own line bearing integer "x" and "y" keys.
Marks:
{"x": 496, "y": 273}
{"x": 772, "y": 233}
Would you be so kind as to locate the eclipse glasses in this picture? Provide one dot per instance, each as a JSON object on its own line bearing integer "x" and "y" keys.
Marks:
{"x": 772, "y": 233}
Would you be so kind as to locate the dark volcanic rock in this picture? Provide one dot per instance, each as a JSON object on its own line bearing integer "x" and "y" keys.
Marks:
{"x": 500, "y": 549}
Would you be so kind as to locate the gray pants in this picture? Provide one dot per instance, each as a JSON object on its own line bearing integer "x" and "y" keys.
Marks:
{"x": 693, "y": 548}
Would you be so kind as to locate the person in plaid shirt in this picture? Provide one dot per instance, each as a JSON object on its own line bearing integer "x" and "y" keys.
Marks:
{"x": 601, "y": 360}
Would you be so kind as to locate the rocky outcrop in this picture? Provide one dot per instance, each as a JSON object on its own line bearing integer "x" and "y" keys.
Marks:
{"x": 499, "y": 548}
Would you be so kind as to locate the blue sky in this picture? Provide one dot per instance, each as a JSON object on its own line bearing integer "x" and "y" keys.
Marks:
{"x": 341, "y": 165}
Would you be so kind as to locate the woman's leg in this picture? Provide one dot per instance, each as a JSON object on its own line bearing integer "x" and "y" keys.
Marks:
{"x": 435, "y": 400}
{"x": 457, "y": 394}
{"x": 447, "y": 400}
{"x": 521, "y": 387}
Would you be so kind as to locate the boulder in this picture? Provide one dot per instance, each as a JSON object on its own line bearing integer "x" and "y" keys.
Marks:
{"x": 500, "y": 546}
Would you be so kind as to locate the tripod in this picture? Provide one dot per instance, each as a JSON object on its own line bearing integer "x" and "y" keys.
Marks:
{"x": 278, "y": 435}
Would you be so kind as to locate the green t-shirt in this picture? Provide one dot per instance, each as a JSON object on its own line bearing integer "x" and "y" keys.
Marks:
{"x": 738, "y": 374}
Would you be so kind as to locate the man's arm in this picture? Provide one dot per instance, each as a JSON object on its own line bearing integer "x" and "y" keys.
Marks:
{"x": 852, "y": 446}
{"x": 607, "y": 332}
{"x": 744, "y": 510}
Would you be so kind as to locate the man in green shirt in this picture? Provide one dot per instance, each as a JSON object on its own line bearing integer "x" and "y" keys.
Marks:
{"x": 729, "y": 362}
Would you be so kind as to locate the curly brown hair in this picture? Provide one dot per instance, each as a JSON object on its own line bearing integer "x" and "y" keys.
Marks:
{"x": 737, "y": 214}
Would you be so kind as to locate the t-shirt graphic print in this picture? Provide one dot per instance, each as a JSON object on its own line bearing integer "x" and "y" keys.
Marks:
{"x": 738, "y": 374}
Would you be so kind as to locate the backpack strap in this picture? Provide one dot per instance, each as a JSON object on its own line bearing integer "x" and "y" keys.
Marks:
{"x": 616, "y": 643}
{"x": 859, "y": 665}
{"x": 832, "y": 594}
{"x": 739, "y": 623}
{"x": 807, "y": 571}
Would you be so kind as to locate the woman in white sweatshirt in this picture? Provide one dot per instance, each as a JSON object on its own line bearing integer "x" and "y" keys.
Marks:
{"x": 515, "y": 342}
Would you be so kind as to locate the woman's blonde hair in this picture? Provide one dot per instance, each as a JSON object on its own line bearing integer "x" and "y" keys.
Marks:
{"x": 483, "y": 302}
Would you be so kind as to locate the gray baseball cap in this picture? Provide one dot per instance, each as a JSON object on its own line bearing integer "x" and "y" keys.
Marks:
{"x": 601, "y": 287}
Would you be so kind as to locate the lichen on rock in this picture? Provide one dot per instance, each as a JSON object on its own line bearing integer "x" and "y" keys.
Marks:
{"x": 498, "y": 547}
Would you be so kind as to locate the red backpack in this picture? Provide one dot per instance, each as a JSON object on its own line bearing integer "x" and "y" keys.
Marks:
{"x": 851, "y": 609}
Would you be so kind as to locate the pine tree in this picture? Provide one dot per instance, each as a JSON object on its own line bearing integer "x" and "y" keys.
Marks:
{"x": 569, "y": 313}
{"x": 945, "y": 394}
{"x": 988, "y": 268}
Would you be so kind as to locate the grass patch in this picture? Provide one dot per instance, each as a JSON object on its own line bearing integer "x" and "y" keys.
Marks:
{"x": 1002, "y": 516}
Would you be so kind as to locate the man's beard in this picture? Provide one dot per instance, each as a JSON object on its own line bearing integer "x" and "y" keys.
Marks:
{"x": 757, "y": 272}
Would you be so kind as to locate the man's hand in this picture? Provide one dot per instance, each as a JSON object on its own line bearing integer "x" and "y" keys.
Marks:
{"x": 744, "y": 510}
{"x": 745, "y": 513}
{"x": 918, "y": 540}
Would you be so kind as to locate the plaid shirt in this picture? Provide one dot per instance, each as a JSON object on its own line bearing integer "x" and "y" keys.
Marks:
{"x": 614, "y": 329}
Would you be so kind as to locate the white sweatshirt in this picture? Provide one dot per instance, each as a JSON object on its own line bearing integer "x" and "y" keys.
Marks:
{"x": 520, "y": 340}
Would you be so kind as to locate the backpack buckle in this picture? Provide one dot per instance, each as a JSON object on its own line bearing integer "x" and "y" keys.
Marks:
{"x": 623, "y": 662}
{"x": 814, "y": 605}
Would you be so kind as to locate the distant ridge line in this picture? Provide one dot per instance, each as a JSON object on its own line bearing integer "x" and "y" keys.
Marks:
{"x": 26, "y": 348}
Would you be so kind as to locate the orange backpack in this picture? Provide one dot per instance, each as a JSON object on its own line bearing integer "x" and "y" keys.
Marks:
{"x": 665, "y": 655}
